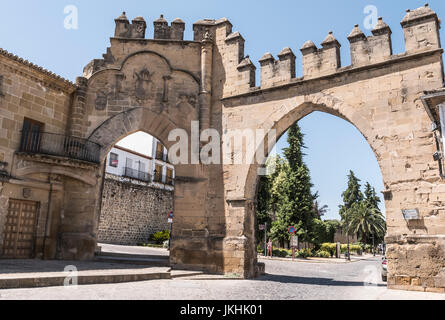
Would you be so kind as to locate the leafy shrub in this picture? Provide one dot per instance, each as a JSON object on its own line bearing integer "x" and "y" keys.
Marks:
{"x": 259, "y": 249}
{"x": 304, "y": 253}
{"x": 160, "y": 237}
{"x": 282, "y": 253}
{"x": 331, "y": 248}
{"x": 355, "y": 248}
{"x": 323, "y": 254}
{"x": 352, "y": 248}
{"x": 150, "y": 245}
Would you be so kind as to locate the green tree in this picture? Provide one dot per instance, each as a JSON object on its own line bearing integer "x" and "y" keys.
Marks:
{"x": 320, "y": 211}
{"x": 372, "y": 201}
{"x": 291, "y": 196}
{"x": 365, "y": 221}
{"x": 351, "y": 196}
{"x": 265, "y": 200}
{"x": 371, "y": 197}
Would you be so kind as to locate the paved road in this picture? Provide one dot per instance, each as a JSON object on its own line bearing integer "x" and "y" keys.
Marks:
{"x": 285, "y": 280}
{"x": 110, "y": 248}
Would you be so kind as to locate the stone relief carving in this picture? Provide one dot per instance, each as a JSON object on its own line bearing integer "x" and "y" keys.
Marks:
{"x": 101, "y": 100}
{"x": 144, "y": 88}
{"x": 104, "y": 97}
{"x": 148, "y": 86}
{"x": 190, "y": 99}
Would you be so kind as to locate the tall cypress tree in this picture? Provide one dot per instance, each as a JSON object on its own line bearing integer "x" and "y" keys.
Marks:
{"x": 292, "y": 191}
{"x": 352, "y": 194}
{"x": 371, "y": 197}
{"x": 265, "y": 201}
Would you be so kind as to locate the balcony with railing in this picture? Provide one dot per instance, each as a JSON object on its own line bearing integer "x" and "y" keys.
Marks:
{"x": 59, "y": 145}
{"x": 163, "y": 179}
{"x": 170, "y": 181}
{"x": 157, "y": 178}
{"x": 160, "y": 155}
{"x": 136, "y": 174}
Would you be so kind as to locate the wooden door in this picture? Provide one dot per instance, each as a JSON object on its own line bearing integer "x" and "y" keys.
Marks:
{"x": 31, "y": 135}
{"x": 20, "y": 229}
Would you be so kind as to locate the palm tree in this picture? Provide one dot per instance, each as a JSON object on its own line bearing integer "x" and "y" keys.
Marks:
{"x": 320, "y": 211}
{"x": 365, "y": 221}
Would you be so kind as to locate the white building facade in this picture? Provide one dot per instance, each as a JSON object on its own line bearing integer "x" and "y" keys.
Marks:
{"x": 153, "y": 170}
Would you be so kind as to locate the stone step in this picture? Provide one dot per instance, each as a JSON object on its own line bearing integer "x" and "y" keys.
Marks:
{"x": 130, "y": 255}
{"x": 135, "y": 260}
{"x": 175, "y": 274}
{"x": 54, "y": 279}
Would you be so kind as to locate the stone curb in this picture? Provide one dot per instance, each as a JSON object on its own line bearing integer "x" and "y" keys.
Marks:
{"x": 55, "y": 279}
{"x": 310, "y": 260}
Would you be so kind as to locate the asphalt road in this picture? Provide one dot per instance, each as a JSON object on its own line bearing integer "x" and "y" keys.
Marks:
{"x": 284, "y": 280}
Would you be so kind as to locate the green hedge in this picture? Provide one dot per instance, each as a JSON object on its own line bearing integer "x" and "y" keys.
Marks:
{"x": 323, "y": 254}
{"x": 331, "y": 248}
{"x": 160, "y": 237}
{"x": 327, "y": 250}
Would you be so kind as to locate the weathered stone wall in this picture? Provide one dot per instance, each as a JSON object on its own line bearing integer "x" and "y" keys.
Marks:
{"x": 159, "y": 85}
{"x": 132, "y": 212}
{"x": 27, "y": 90}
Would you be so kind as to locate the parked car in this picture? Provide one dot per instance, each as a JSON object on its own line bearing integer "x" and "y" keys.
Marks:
{"x": 384, "y": 269}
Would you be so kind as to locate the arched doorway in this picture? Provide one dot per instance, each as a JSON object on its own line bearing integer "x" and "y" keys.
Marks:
{"x": 322, "y": 153}
{"x": 137, "y": 198}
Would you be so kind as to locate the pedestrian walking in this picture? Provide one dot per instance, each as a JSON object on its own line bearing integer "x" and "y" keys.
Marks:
{"x": 269, "y": 248}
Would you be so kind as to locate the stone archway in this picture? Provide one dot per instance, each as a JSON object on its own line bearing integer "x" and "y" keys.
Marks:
{"x": 318, "y": 102}
{"x": 279, "y": 117}
{"x": 157, "y": 85}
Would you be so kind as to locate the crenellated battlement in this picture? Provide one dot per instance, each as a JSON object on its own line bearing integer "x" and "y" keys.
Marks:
{"x": 239, "y": 69}
{"x": 125, "y": 29}
{"x": 275, "y": 72}
{"x": 420, "y": 26}
{"x": 136, "y": 29}
{"x": 372, "y": 49}
{"x": 421, "y": 30}
{"x": 319, "y": 62}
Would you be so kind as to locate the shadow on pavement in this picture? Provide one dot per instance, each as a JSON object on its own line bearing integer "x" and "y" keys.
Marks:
{"x": 34, "y": 266}
{"x": 315, "y": 281}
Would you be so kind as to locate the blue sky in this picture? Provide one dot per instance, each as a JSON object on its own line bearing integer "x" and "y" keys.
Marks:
{"x": 35, "y": 31}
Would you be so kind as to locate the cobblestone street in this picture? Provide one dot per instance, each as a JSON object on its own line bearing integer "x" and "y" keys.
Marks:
{"x": 284, "y": 280}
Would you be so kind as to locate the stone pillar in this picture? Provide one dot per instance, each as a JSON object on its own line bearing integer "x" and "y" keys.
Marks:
{"x": 206, "y": 81}
{"x": 240, "y": 244}
{"x": 78, "y": 219}
{"x": 77, "y": 125}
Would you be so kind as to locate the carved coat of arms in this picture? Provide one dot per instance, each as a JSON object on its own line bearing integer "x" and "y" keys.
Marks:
{"x": 145, "y": 88}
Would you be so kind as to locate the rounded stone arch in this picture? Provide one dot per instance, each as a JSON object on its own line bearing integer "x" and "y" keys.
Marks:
{"x": 116, "y": 128}
{"x": 317, "y": 102}
{"x": 172, "y": 70}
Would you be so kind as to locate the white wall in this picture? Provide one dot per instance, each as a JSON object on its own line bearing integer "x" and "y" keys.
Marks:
{"x": 149, "y": 165}
{"x": 122, "y": 158}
